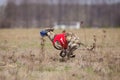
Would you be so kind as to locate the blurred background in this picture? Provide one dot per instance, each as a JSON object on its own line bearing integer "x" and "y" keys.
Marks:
{"x": 59, "y": 13}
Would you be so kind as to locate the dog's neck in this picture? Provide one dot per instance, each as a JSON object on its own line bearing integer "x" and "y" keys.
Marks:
{"x": 51, "y": 35}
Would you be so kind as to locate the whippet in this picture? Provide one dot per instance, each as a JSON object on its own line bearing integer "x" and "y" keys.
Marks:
{"x": 66, "y": 42}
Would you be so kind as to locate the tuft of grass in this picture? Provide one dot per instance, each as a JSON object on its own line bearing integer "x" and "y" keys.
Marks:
{"x": 67, "y": 68}
{"x": 89, "y": 70}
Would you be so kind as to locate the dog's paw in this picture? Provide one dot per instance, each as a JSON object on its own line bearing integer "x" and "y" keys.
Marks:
{"x": 72, "y": 56}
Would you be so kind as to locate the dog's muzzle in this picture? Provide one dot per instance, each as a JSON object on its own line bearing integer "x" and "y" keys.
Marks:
{"x": 43, "y": 33}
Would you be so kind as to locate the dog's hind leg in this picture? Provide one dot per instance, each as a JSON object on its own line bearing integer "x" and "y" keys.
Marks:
{"x": 71, "y": 49}
{"x": 70, "y": 54}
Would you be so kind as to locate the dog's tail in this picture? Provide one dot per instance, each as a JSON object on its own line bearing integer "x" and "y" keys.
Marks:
{"x": 91, "y": 48}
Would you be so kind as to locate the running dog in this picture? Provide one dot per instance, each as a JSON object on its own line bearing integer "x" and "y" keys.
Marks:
{"x": 66, "y": 42}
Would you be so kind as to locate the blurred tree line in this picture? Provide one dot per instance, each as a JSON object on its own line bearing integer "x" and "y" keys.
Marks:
{"x": 43, "y": 15}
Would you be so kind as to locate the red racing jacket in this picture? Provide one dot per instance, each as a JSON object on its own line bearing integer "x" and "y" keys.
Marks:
{"x": 61, "y": 39}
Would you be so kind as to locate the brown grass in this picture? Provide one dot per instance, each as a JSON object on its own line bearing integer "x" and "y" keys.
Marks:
{"x": 21, "y": 57}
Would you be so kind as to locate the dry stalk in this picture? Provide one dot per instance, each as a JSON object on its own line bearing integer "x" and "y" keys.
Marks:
{"x": 94, "y": 43}
{"x": 103, "y": 41}
{"x": 104, "y": 38}
{"x": 42, "y": 50}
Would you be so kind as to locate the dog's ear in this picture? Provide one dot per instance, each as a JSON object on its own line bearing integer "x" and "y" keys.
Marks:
{"x": 49, "y": 29}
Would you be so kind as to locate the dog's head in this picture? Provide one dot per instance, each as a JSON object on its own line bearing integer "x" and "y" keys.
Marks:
{"x": 47, "y": 32}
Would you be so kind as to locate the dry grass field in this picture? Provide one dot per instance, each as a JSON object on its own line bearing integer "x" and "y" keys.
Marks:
{"x": 21, "y": 57}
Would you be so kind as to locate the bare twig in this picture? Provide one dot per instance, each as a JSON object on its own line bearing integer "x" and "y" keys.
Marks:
{"x": 42, "y": 51}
